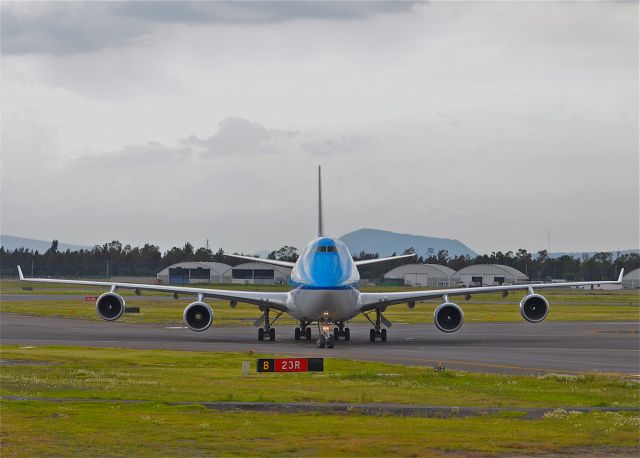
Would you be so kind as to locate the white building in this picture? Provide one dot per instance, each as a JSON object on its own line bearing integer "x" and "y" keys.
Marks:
{"x": 488, "y": 275}
{"x": 632, "y": 279}
{"x": 420, "y": 275}
{"x": 184, "y": 273}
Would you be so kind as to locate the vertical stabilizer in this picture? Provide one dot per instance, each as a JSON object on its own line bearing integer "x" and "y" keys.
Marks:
{"x": 320, "y": 222}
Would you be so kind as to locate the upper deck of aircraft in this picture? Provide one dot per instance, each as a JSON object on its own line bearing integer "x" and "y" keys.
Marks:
{"x": 325, "y": 263}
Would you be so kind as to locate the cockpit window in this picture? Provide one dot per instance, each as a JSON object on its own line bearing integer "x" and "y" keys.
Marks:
{"x": 327, "y": 249}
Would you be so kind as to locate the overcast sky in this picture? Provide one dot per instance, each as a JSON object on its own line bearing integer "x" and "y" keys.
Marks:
{"x": 488, "y": 122}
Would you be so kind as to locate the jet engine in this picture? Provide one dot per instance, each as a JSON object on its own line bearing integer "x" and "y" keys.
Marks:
{"x": 198, "y": 316}
{"x": 448, "y": 317}
{"x": 110, "y": 306}
{"x": 534, "y": 308}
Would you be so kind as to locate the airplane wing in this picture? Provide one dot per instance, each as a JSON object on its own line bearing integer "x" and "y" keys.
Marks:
{"x": 274, "y": 300}
{"x": 373, "y": 261}
{"x": 272, "y": 262}
{"x": 370, "y": 301}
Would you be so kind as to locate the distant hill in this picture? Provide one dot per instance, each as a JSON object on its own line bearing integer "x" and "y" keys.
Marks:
{"x": 385, "y": 243}
{"x": 581, "y": 254}
{"x": 11, "y": 242}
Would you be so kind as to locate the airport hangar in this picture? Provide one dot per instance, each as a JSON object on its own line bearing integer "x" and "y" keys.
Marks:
{"x": 185, "y": 273}
{"x": 434, "y": 275}
{"x": 429, "y": 275}
{"x": 632, "y": 279}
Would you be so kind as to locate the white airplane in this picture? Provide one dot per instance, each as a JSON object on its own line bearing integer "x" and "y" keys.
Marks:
{"x": 325, "y": 279}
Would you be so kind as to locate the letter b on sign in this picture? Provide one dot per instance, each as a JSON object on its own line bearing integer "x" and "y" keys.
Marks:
{"x": 265, "y": 365}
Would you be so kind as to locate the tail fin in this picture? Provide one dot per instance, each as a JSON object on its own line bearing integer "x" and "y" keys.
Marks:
{"x": 320, "y": 222}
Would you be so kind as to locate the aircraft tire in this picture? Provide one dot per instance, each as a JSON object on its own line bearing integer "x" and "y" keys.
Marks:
{"x": 261, "y": 334}
{"x": 272, "y": 334}
{"x": 347, "y": 334}
{"x": 372, "y": 335}
{"x": 331, "y": 342}
{"x": 307, "y": 333}
{"x": 384, "y": 335}
{"x": 321, "y": 342}
{"x": 297, "y": 334}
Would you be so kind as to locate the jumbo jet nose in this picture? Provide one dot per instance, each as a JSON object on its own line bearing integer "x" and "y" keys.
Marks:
{"x": 326, "y": 270}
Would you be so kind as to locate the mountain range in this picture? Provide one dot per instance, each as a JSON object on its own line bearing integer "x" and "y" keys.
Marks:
{"x": 385, "y": 243}
{"x": 11, "y": 242}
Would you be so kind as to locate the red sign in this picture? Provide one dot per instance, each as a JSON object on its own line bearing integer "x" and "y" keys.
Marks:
{"x": 91, "y": 298}
{"x": 290, "y": 364}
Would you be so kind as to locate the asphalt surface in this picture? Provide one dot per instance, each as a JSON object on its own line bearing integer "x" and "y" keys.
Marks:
{"x": 560, "y": 347}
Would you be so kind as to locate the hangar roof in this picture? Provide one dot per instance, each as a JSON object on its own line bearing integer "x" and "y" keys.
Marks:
{"x": 633, "y": 275}
{"x": 431, "y": 270}
{"x": 490, "y": 269}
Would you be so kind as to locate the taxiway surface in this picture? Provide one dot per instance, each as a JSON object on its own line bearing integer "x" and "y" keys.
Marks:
{"x": 564, "y": 347}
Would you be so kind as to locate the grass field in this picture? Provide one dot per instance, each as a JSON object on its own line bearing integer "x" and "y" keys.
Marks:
{"x": 154, "y": 375}
{"x": 90, "y": 429}
{"x": 32, "y": 428}
{"x": 566, "y": 305}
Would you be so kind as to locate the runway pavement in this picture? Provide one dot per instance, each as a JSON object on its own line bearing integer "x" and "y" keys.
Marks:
{"x": 562, "y": 347}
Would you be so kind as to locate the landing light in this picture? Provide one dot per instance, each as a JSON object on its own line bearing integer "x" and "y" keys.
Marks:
{"x": 326, "y": 328}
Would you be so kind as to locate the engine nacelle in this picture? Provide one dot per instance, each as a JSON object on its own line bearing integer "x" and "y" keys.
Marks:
{"x": 448, "y": 317}
{"x": 534, "y": 308}
{"x": 198, "y": 316}
{"x": 110, "y": 306}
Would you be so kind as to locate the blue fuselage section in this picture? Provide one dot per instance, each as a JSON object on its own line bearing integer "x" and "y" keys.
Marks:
{"x": 325, "y": 264}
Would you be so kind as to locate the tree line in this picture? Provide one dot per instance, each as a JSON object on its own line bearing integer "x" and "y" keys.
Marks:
{"x": 114, "y": 259}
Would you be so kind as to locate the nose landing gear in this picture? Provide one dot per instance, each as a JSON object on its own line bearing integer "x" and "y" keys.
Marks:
{"x": 326, "y": 340}
{"x": 325, "y": 336}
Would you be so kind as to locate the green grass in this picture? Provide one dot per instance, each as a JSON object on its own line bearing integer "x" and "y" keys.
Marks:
{"x": 90, "y": 429}
{"x": 154, "y": 428}
{"x": 161, "y": 375}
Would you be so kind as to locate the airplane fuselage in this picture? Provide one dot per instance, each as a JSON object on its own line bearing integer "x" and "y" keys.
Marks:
{"x": 325, "y": 278}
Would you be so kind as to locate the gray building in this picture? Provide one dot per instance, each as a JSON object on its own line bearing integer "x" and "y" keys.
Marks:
{"x": 260, "y": 273}
{"x": 488, "y": 275}
{"x": 184, "y": 273}
{"x": 631, "y": 280}
{"x": 419, "y": 275}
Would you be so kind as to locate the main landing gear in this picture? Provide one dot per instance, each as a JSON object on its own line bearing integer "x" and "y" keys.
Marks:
{"x": 341, "y": 332}
{"x": 377, "y": 332}
{"x": 267, "y": 332}
{"x": 304, "y": 331}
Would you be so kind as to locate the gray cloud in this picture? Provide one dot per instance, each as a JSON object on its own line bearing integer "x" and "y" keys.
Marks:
{"x": 234, "y": 136}
{"x": 69, "y": 28}
{"x": 150, "y": 154}
{"x": 340, "y": 145}
{"x": 237, "y": 136}
{"x": 64, "y": 28}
